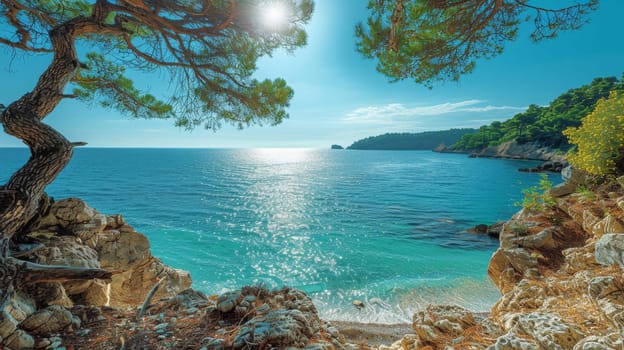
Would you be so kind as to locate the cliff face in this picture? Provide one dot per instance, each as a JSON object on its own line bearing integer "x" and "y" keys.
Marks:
{"x": 513, "y": 150}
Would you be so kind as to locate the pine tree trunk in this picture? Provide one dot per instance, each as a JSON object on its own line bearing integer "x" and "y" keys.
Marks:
{"x": 50, "y": 153}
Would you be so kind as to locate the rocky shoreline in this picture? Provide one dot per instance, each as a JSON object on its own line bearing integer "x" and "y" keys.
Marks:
{"x": 559, "y": 272}
{"x": 513, "y": 150}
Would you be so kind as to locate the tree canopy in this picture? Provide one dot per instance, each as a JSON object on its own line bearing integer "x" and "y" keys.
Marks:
{"x": 208, "y": 50}
{"x": 438, "y": 40}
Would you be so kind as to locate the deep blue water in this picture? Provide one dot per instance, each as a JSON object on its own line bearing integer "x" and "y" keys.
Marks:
{"x": 341, "y": 225}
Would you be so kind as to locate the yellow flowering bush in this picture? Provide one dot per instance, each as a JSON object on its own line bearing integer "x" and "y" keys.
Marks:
{"x": 600, "y": 139}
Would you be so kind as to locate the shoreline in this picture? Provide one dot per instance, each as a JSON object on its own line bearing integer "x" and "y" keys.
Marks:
{"x": 372, "y": 334}
{"x": 376, "y": 334}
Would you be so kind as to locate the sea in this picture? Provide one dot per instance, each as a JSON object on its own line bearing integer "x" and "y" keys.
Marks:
{"x": 387, "y": 228}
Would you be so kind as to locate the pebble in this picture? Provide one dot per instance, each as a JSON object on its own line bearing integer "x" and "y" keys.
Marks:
{"x": 43, "y": 343}
{"x": 162, "y": 337}
{"x": 161, "y": 326}
{"x": 358, "y": 304}
{"x": 192, "y": 310}
{"x": 264, "y": 309}
{"x": 55, "y": 344}
{"x": 83, "y": 332}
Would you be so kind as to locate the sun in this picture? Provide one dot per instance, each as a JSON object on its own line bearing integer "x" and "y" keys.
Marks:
{"x": 274, "y": 16}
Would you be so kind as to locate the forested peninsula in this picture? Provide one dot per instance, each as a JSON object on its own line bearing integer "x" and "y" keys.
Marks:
{"x": 427, "y": 140}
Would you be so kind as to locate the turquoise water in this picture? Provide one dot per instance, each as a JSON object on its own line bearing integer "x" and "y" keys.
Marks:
{"x": 385, "y": 227}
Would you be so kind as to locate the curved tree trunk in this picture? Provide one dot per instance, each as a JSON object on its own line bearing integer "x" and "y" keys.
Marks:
{"x": 50, "y": 153}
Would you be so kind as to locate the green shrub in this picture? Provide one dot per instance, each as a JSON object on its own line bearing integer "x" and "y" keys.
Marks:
{"x": 538, "y": 198}
{"x": 585, "y": 194}
{"x": 600, "y": 139}
{"x": 519, "y": 229}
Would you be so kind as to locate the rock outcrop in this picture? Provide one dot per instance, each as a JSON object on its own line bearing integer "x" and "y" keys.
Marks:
{"x": 514, "y": 150}
{"x": 71, "y": 233}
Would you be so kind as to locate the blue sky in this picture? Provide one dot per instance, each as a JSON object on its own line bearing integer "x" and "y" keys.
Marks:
{"x": 340, "y": 98}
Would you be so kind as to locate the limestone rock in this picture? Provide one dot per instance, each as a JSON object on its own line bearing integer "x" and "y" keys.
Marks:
{"x": 52, "y": 319}
{"x": 542, "y": 239}
{"x": 590, "y": 219}
{"x": 528, "y": 295}
{"x": 66, "y": 212}
{"x": 279, "y": 328}
{"x": 120, "y": 251}
{"x": 610, "y": 249}
{"x": 21, "y": 306}
{"x": 511, "y": 341}
{"x": 580, "y": 258}
{"x": 441, "y": 321}
{"x": 609, "y": 297}
{"x": 89, "y": 231}
{"x": 68, "y": 251}
{"x": 501, "y": 272}
{"x": 610, "y": 342}
{"x": 610, "y": 224}
{"x": 520, "y": 258}
{"x": 19, "y": 340}
{"x": 50, "y": 294}
{"x": 550, "y": 331}
{"x": 96, "y": 294}
{"x": 129, "y": 288}
{"x": 188, "y": 299}
{"x": 8, "y": 324}
{"x": 228, "y": 301}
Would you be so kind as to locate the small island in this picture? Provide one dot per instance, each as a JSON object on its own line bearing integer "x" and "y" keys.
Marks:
{"x": 336, "y": 147}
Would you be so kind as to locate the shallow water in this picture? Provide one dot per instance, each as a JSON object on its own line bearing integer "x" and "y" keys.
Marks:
{"x": 384, "y": 227}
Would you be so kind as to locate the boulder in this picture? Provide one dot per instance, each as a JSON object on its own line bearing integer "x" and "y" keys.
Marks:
{"x": 19, "y": 340}
{"x": 511, "y": 341}
{"x": 441, "y": 321}
{"x": 550, "y": 331}
{"x": 279, "y": 328}
{"x": 610, "y": 224}
{"x": 52, "y": 319}
{"x": 572, "y": 178}
{"x": 130, "y": 287}
{"x": 610, "y": 249}
{"x": 227, "y": 301}
{"x": 68, "y": 251}
{"x": 122, "y": 250}
{"x": 67, "y": 212}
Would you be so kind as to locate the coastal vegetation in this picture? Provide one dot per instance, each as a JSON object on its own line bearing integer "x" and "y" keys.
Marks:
{"x": 599, "y": 140}
{"x": 427, "y": 140}
{"x": 544, "y": 125}
{"x": 538, "y": 197}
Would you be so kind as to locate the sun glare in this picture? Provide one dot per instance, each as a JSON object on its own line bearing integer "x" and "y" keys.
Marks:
{"x": 274, "y": 16}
